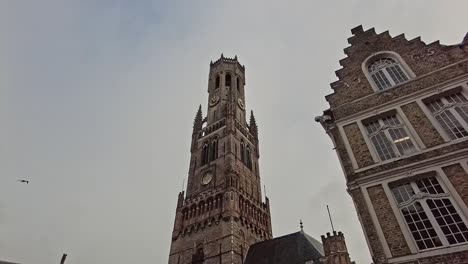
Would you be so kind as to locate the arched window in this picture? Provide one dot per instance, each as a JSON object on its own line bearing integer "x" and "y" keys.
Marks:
{"x": 386, "y": 72}
{"x": 217, "y": 82}
{"x": 227, "y": 82}
{"x": 214, "y": 149}
{"x": 205, "y": 153}
{"x": 238, "y": 84}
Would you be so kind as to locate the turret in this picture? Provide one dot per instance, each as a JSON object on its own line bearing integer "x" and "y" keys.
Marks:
{"x": 335, "y": 249}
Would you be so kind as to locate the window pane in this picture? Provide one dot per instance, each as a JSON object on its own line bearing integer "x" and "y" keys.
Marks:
{"x": 403, "y": 192}
{"x": 421, "y": 228}
{"x": 396, "y": 74}
{"x": 447, "y": 120}
{"x": 384, "y": 144}
{"x": 449, "y": 220}
{"x": 381, "y": 80}
{"x": 429, "y": 185}
{"x": 391, "y": 67}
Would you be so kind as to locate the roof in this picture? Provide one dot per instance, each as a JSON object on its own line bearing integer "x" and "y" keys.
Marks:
{"x": 294, "y": 248}
{"x": 4, "y": 262}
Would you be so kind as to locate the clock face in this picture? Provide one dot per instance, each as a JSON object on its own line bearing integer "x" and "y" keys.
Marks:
{"x": 207, "y": 177}
{"x": 241, "y": 104}
{"x": 214, "y": 100}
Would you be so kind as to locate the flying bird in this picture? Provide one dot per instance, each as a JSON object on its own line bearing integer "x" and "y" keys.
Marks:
{"x": 26, "y": 181}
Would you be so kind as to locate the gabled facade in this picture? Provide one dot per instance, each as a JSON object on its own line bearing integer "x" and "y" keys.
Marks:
{"x": 398, "y": 119}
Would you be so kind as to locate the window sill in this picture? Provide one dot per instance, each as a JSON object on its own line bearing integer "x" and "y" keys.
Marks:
{"x": 431, "y": 252}
{"x": 380, "y": 163}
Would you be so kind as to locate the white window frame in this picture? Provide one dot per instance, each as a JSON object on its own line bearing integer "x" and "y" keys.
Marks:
{"x": 452, "y": 110}
{"x": 372, "y": 148}
{"x": 391, "y": 55}
{"x": 449, "y": 193}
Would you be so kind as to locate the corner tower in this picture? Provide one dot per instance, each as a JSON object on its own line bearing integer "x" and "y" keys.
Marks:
{"x": 222, "y": 212}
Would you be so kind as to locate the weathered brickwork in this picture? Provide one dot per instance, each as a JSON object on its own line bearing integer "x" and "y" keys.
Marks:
{"x": 411, "y": 159}
{"x": 358, "y": 145}
{"x": 422, "y": 59}
{"x": 365, "y": 93}
{"x": 454, "y": 258}
{"x": 388, "y": 223}
{"x": 426, "y": 131}
{"x": 367, "y": 223}
{"x": 459, "y": 179}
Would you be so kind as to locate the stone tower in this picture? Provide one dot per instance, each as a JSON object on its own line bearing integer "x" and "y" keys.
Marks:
{"x": 222, "y": 211}
{"x": 334, "y": 247}
{"x": 398, "y": 119}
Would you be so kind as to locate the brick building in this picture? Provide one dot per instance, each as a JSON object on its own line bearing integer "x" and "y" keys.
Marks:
{"x": 398, "y": 119}
{"x": 222, "y": 217}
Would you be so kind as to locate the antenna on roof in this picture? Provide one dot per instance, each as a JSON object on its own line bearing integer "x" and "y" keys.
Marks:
{"x": 331, "y": 221}
{"x": 301, "y": 224}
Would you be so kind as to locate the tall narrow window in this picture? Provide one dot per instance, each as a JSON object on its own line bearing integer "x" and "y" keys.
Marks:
{"x": 242, "y": 151}
{"x": 248, "y": 158}
{"x": 451, "y": 112}
{"x": 214, "y": 150}
{"x": 386, "y": 73}
{"x": 238, "y": 84}
{"x": 389, "y": 137}
{"x": 205, "y": 154}
{"x": 227, "y": 82}
{"x": 217, "y": 82}
{"x": 430, "y": 214}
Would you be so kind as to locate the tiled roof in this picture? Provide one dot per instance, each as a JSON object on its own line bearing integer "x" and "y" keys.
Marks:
{"x": 294, "y": 248}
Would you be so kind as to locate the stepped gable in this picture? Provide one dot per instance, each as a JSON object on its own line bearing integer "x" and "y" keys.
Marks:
{"x": 422, "y": 58}
{"x": 296, "y": 248}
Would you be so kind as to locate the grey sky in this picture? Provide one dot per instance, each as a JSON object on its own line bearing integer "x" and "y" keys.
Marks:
{"x": 97, "y": 102}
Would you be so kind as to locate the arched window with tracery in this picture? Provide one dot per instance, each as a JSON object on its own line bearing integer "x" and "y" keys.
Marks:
{"x": 227, "y": 81}
{"x": 387, "y": 70}
{"x": 205, "y": 153}
{"x": 214, "y": 149}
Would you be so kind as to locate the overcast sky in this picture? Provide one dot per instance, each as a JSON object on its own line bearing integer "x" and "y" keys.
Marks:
{"x": 97, "y": 100}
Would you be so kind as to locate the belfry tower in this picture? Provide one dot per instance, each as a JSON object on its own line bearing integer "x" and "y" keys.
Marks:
{"x": 222, "y": 211}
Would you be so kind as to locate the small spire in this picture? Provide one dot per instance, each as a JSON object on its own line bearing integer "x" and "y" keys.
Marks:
{"x": 302, "y": 225}
{"x": 235, "y": 57}
{"x": 222, "y": 56}
{"x": 198, "y": 121}
{"x": 253, "y": 125}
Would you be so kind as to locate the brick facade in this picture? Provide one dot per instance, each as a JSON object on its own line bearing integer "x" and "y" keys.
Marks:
{"x": 387, "y": 221}
{"x": 431, "y": 71}
{"x": 426, "y": 131}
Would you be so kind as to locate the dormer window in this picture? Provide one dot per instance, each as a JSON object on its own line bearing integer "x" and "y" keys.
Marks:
{"x": 385, "y": 70}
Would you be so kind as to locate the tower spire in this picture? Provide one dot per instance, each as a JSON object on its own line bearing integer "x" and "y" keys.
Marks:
{"x": 253, "y": 125}
{"x": 198, "y": 121}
